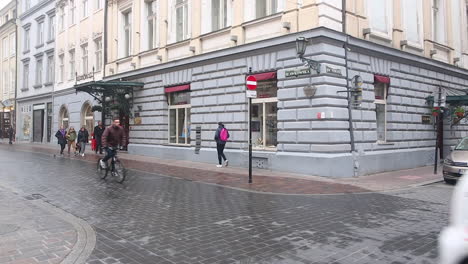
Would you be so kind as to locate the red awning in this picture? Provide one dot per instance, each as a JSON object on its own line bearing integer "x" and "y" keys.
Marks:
{"x": 178, "y": 88}
{"x": 381, "y": 79}
{"x": 265, "y": 76}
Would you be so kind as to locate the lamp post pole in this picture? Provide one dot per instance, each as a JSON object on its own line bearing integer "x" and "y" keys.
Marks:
{"x": 250, "y": 134}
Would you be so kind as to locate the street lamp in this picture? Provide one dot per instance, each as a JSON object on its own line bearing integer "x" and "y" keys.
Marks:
{"x": 301, "y": 45}
{"x": 127, "y": 96}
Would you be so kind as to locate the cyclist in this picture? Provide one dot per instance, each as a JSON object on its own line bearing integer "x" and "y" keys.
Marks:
{"x": 112, "y": 137}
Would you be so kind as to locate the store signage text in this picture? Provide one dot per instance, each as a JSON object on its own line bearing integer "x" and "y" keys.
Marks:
{"x": 297, "y": 72}
{"x": 333, "y": 71}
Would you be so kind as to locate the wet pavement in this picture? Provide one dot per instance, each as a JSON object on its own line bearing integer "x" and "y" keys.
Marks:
{"x": 160, "y": 219}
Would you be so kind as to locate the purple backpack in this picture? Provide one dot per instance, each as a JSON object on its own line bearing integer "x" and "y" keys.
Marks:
{"x": 223, "y": 135}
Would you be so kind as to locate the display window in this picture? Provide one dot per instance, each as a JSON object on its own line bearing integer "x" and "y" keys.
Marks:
{"x": 179, "y": 115}
{"x": 265, "y": 116}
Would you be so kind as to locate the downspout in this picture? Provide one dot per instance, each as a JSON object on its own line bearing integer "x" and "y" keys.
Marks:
{"x": 350, "y": 110}
{"x": 16, "y": 68}
{"x": 104, "y": 63}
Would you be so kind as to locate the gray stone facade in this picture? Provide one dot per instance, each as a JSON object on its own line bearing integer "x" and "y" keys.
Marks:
{"x": 74, "y": 103}
{"x": 313, "y": 132}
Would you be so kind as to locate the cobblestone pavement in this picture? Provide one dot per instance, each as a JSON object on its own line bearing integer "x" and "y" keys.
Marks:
{"x": 30, "y": 234}
{"x": 156, "y": 219}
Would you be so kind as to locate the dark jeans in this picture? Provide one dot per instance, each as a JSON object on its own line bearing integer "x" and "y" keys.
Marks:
{"x": 98, "y": 146}
{"x": 62, "y": 147}
{"x": 220, "y": 148}
{"x": 109, "y": 154}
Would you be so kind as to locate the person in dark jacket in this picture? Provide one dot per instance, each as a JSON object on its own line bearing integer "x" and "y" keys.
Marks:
{"x": 11, "y": 134}
{"x": 61, "y": 138}
{"x": 112, "y": 137}
{"x": 98, "y": 130}
{"x": 220, "y": 144}
{"x": 83, "y": 137}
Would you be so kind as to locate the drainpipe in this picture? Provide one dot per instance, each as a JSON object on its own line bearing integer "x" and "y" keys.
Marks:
{"x": 16, "y": 69}
{"x": 350, "y": 110}
{"x": 105, "y": 40}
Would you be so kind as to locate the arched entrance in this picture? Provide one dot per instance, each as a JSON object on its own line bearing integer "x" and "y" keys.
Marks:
{"x": 64, "y": 117}
{"x": 87, "y": 117}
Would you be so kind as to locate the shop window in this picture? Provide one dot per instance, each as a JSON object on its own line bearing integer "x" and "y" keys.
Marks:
{"x": 381, "y": 84}
{"x": 265, "y": 115}
{"x": 179, "y": 115}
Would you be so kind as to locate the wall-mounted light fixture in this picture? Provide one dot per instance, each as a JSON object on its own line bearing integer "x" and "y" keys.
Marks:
{"x": 301, "y": 45}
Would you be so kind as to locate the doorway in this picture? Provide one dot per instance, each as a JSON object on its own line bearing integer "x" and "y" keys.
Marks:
{"x": 38, "y": 125}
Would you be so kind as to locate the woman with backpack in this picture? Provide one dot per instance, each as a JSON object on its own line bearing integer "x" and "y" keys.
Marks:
{"x": 71, "y": 138}
{"x": 221, "y": 137}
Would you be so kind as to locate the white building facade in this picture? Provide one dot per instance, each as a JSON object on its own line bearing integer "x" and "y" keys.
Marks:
{"x": 79, "y": 46}
{"x": 36, "y": 70}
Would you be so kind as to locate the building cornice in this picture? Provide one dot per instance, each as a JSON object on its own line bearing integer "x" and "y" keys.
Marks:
{"x": 33, "y": 97}
{"x": 35, "y": 8}
{"x": 290, "y": 39}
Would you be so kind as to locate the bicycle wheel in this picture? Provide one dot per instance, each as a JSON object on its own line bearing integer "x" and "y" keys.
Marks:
{"x": 101, "y": 171}
{"x": 119, "y": 171}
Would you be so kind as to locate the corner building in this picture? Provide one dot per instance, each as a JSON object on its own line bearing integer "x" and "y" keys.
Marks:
{"x": 194, "y": 56}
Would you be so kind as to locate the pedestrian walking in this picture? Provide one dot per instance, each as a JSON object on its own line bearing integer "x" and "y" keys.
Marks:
{"x": 83, "y": 137}
{"x": 221, "y": 137}
{"x": 11, "y": 134}
{"x": 61, "y": 138}
{"x": 71, "y": 138}
{"x": 98, "y": 130}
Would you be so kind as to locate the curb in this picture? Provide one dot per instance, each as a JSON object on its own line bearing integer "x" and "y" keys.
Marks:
{"x": 86, "y": 236}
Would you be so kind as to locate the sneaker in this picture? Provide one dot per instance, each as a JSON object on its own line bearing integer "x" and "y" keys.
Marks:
{"x": 226, "y": 162}
{"x": 219, "y": 166}
{"x": 103, "y": 164}
{"x": 82, "y": 154}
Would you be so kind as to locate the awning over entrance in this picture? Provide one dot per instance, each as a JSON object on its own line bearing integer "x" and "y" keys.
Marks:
{"x": 100, "y": 89}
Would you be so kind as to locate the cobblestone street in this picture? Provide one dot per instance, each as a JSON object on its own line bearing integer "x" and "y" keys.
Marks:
{"x": 160, "y": 219}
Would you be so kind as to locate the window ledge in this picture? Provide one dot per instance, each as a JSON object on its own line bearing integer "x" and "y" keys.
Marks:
{"x": 26, "y": 51}
{"x": 177, "y": 44}
{"x": 48, "y": 84}
{"x": 36, "y": 86}
{"x": 50, "y": 41}
{"x": 215, "y": 32}
{"x": 262, "y": 19}
{"x": 411, "y": 45}
{"x": 124, "y": 59}
{"x": 39, "y": 46}
{"x": 24, "y": 89}
{"x": 384, "y": 143}
{"x": 149, "y": 52}
{"x": 373, "y": 34}
{"x": 84, "y": 18}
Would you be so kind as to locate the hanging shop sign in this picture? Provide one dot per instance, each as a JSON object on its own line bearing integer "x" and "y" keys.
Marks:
{"x": 298, "y": 71}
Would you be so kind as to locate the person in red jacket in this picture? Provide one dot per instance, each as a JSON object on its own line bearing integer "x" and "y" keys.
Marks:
{"x": 112, "y": 137}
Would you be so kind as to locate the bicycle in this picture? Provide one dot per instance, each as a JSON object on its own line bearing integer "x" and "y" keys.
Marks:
{"x": 116, "y": 168}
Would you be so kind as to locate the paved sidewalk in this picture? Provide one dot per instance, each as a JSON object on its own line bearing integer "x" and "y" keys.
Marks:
{"x": 264, "y": 180}
{"x": 29, "y": 234}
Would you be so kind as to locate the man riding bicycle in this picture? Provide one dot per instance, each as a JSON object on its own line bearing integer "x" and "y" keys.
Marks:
{"x": 112, "y": 137}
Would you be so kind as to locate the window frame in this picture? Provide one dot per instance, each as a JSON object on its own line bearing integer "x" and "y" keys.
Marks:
{"x": 98, "y": 54}
{"x": 61, "y": 58}
{"x": 12, "y": 44}
{"x": 263, "y": 102}
{"x": 39, "y": 71}
{"x": 151, "y": 19}
{"x": 50, "y": 76}
{"x": 177, "y": 108}
{"x": 126, "y": 29}
{"x": 84, "y": 59}
{"x": 40, "y": 33}
{"x": 184, "y": 5}
{"x": 439, "y": 15}
{"x": 383, "y": 102}
{"x": 270, "y": 8}
{"x": 72, "y": 63}
{"x": 85, "y": 8}
{"x": 6, "y": 50}
{"x": 223, "y": 17}
{"x": 72, "y": 9}
{"x": 27, "y": 39}
{"x": 51, "y": 35}
{"x": 25, "y": 76}
{"x": 388, "y": 35}
{"x": 61, "y": 18}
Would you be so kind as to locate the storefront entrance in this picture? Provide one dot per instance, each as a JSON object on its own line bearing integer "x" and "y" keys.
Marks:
{"x": 38, "y": 125}
{"x": 5, "y": 122}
